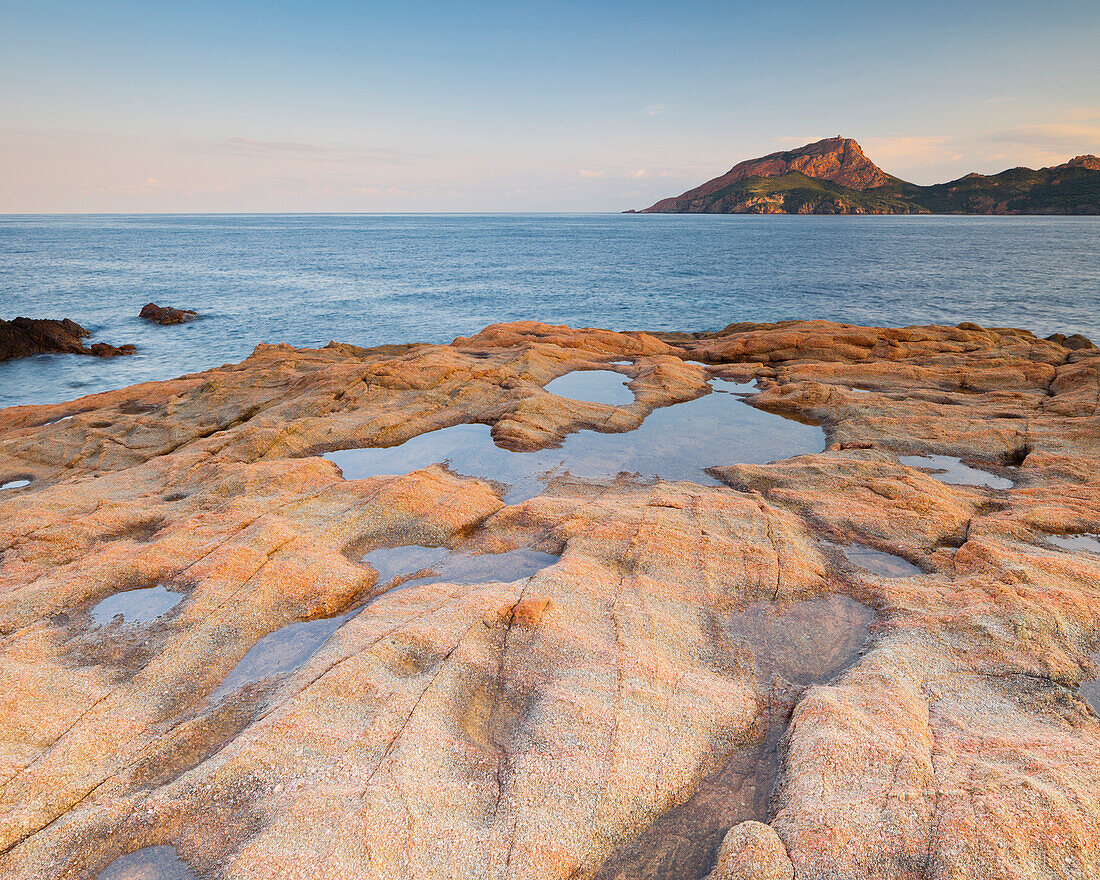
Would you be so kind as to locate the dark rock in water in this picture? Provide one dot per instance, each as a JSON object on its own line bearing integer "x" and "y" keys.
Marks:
{"x": 106, "y": 350}
{"x": 23, "y": 337}
{"x": 26, "y": 336}
{"x": 164, "y": 315}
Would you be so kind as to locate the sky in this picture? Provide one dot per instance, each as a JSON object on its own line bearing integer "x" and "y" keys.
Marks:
{"x": 419, "y": 106}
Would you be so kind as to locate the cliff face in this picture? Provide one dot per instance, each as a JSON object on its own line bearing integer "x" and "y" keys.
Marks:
{"x": 834, "y": 177}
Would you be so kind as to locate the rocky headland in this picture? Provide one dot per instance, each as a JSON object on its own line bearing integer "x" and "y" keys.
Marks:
{"x": 833, "y": 176}
{"x": 23, "y": 337}
{"x": 234, "y": 646}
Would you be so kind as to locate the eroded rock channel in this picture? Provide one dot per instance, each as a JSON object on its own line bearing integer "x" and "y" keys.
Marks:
{"x": 787, "y": 648}
{"x": 546, "y": 603}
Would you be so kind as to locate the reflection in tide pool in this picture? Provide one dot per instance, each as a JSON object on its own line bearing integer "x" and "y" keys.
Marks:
{"x": 948, "y": 469}
{"x": 1090, "y": 690}
{"x": 279, "y": 653}
{"x": 593, "y": 386}
{"x": 673, "y": 443}
{"x": 390, "y": 562}
{"x": 1089, "y": 543}
{"x": 442, "y": 566}
{"x": 728, "y": 386}
{"x": 15, "y": 484}
{"x": 136, "y": 606}
{"x": 150, "y": 863}
{"x": 285, "y": 650}
{"x": 879, "y": 562}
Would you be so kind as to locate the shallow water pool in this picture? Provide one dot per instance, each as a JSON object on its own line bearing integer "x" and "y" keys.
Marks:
{"x": 279, "y": 653}
{"x": 948, "y": 469}
{"x": 443, "y": 566}
{"x": 674, "y": 443}
{"x": 136, "y": 606}
{"x": 879, "y": 561}
{"x": 593, "y": 386}
{"x": 1088, "y": 543}
{"x": 150, "y": 863}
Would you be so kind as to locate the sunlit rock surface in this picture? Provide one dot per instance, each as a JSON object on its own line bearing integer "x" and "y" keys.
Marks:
{"x": 684, "y": 657}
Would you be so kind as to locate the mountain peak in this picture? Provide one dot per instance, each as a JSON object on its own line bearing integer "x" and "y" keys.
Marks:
{"x": 837, "y": 159}
{"x": 1092, "y": 163}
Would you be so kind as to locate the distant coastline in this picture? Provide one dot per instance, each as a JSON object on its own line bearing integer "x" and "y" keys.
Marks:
{"x": 833, "y": 176}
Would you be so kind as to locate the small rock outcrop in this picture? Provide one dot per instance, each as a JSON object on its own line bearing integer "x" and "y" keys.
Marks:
{"x": 1074, "y": 342}
{"x": 752, "y": 851}
{"x": 23, "y": 337}
{"x": 165, "y": 315}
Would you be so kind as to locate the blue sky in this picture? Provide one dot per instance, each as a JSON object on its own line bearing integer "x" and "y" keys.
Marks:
{"x": 599, "y": 106}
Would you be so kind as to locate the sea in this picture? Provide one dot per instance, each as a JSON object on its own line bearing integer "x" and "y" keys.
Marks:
{"x": 373, "y": 279}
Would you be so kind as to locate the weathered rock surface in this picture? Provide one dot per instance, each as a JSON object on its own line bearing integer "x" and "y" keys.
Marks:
{"x": 22, "y": 337}
{"x": 752, "y": 851}
{"x": 166, "y": 315}
{"x": 700, "y": 657}
{"x": 1073, "y": 342}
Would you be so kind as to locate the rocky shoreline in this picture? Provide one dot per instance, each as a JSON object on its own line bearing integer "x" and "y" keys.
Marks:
{"x": 871, "y": 659}
{"x": 23, "y": 337}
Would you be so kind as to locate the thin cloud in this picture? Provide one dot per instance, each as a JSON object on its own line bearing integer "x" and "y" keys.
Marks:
{"x": 639, "y": 174}
{"x": 910, "y": 148}
{"x": 1082, "y": 114}
{"x": 585, "y": 172}
{"x": 289, "y": 150}
{"x": 146, "y": 187}
{"x": 790, "y": 140}
{"x": 1064, "y": 137}
{"x": 153, "y": 186}
{"x": 254, "y": 146}
{"x": 655, "y": 109}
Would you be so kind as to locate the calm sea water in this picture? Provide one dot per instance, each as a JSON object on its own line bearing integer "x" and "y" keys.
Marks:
{"x": 374, "y": 279}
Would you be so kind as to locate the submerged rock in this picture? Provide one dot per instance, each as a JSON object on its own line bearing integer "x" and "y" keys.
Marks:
{"x": 699, "y": 684}
{"x": 165, "y": 315}
{"x": 23, "y": 337}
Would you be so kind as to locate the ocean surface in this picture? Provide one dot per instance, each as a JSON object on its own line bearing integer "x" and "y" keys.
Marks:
{"x": 371, "y": 279}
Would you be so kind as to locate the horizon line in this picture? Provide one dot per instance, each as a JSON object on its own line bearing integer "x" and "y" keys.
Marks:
{"x": 634, "y": 213}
